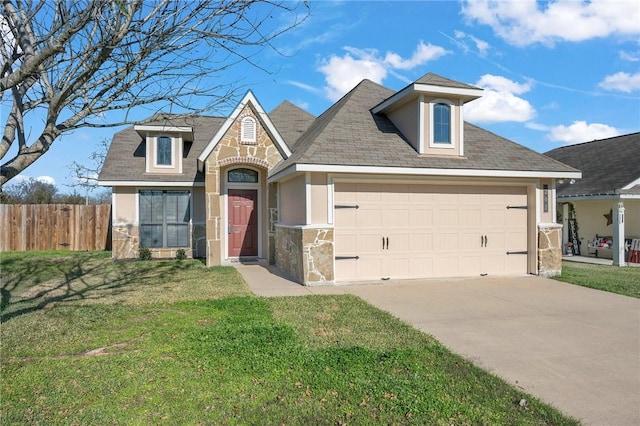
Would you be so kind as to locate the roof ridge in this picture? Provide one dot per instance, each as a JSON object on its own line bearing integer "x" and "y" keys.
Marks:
{"x": 594, "y": 141}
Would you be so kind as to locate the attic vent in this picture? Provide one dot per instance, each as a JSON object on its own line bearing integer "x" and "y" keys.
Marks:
{"x": 248, "y": 130}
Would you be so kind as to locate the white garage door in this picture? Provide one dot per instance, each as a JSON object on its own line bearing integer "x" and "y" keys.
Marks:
{"x": 415, "y": 231}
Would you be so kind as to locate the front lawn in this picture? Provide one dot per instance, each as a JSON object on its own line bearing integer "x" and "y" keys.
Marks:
{"x": 621, "y": 280}
{"x": 116, "y": 343}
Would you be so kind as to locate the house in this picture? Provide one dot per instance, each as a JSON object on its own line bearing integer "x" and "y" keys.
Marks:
{"x": 604, "y": 206}
{"x": 382, "y": 185}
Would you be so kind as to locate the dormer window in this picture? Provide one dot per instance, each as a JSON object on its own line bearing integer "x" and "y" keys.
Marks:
{"x": 441, "y": 132}
{"x": 441, "y": 124}
{"x": 164, "y": 155}
{"x": 248, "y": 130}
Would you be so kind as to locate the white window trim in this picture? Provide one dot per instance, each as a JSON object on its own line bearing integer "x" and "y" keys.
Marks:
{"x": 155, "y": 152}
{"x": 452, "y": 126}
{"x": 254, "y": 136}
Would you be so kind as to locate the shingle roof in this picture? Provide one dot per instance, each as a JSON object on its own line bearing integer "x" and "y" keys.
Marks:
{"x": 607, "y": 165}
{"x": 349, "y": 134}
{"x": 291, "y": 121}
{"x": 437, "y": 80}
{"x": 125, "y": 160}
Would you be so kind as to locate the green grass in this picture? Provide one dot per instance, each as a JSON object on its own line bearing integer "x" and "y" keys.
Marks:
{"x": 621, "y": 280}
{"x": 143, "y": 357}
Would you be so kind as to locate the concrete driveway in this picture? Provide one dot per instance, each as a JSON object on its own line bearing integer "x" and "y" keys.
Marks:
{"x": 575, "y": 348}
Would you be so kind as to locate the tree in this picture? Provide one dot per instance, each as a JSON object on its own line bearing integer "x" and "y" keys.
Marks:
{"x": 86, "y": 175}
{"x": 77, "y": 62}
{"x": 30, "y": 191}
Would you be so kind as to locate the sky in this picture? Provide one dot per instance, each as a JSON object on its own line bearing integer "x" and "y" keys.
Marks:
{"x": 553, "y": 73}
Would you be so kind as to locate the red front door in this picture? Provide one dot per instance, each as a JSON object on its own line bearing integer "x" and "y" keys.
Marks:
{"x": 243, "y": 222}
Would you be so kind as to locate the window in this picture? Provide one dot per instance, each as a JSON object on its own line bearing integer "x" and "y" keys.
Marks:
{"x": 163, "y": 151}
{"x": 248, "y": 130}
{"x": 164, "y": 218}
{"x": 242, "y": 176}
{"x": 442, "y": 124}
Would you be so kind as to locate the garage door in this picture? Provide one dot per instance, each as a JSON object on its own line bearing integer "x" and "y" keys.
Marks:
{"x": 396, "y": 231}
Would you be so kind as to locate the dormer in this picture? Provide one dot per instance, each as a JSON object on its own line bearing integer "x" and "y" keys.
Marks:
{"x": 165, "y": 147}
{"x": 429, "y": 114}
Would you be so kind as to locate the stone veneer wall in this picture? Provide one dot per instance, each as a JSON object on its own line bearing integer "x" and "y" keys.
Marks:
{"x": 230, "y": 152}
{"x": 549, "y": 250}
{"x": 306, "y": 254}
{"x": 125, "y": 242}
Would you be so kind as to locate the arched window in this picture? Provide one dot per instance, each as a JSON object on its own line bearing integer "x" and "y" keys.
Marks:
{"x": 248, "y": 130}
{"x": 442, "y": 124}
{"x": 242, "y": 176}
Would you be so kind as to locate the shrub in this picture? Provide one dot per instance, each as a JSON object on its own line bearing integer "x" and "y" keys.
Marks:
{"x": 181, "y": 254}
{"x": 144, "y": 253}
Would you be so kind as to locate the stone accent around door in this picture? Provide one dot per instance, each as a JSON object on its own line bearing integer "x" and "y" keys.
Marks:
{"x": 549, "y": 250}
{"x": 305, "y": 253}
{"x": 230, "y": 152}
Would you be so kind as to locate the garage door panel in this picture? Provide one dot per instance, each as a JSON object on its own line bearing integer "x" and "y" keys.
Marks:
{"x": 433, "y": 231}
{"x": 395, "y": 218}
{"x": 420, "y": 242}
{"x": 421, "y": 218}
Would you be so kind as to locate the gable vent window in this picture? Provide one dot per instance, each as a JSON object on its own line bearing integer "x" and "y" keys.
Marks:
{"x": 442, "y": 124}
{"x": 163, "y": 151}
{"x": 248, "y": 130}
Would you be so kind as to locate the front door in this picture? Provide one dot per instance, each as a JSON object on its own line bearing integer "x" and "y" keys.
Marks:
{"x": 243, "y": 222}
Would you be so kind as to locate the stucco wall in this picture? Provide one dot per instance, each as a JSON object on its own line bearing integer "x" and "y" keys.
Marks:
{"x": 405, "y": 118}
{"x": 319, "y": 203}
{"x": 292, "y": 201}
{"x": 124, "y": 205}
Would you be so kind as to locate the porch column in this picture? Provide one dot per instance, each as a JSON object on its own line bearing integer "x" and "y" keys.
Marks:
{"x": 565, "y": 223}
{"x": 618, "y": 234}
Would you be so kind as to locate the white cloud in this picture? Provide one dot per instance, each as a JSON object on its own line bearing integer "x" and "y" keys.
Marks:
{"x": 499, "y": 102}
{"x": 622, "y": 82}
{"x": 46, "y": 179}
{"x": 502, "y": 84}
{"x": 22, "y": 178}
{"x": 526, "y": 22}
{"x": 481, "y": 45}
{"x": 580, "y": 131}
{"x": 423, "y": 54}
{"x": 629, "y": 56}
{"x": 304, "y": 86}
{"x": 537, "y": 126}
{"x": 343, "y": 73}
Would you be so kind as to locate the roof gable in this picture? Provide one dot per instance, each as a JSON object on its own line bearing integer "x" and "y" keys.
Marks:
{"x": 609, "y": 166}
{"x": 266, "y": 122}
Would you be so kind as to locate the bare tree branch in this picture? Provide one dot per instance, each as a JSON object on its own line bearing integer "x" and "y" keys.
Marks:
{"x": 77, "y": 61}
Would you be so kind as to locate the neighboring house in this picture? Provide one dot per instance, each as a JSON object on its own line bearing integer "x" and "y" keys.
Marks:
{"x": 609, "y": 188}
{"x": 382, "y": 185}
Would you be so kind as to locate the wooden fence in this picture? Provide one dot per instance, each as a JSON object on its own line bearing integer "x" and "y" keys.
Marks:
{"x": 25, "y": 227}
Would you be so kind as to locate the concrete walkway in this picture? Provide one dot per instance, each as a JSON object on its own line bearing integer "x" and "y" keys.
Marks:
{"x": 573, "y": 347}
